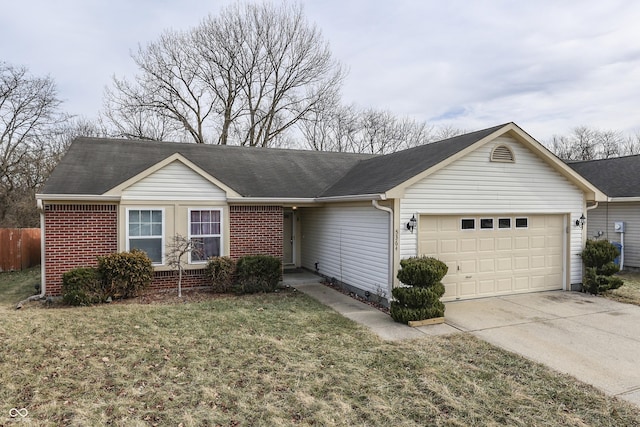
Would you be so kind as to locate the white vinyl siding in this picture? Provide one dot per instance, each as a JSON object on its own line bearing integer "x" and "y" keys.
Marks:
{"x": 474, "y": 185}
{"x": 602, "y": 219}
{"x": 349, "y": 243}
{"x": 175, "y": 181}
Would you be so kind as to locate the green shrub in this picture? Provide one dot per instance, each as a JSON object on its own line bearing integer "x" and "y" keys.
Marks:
{"x": 420, "y": 299}
{"x": 598, "y": 256}
{"x": 421, "y": 271}
{"x": 403, "y": 314}
{"x": 82, "y": 286}
{"x": 598, "y": 253}
{"x": 257, "y": 273}
{"x": 221, "y": 272}
{"x": 125, "y": 274}
{"x": 595, "y": 283}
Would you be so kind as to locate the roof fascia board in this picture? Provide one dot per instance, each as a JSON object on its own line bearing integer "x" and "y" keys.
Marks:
{"x": 117, "y": 190}
{"x": 270, "y": 200}
{"x": 623, "y": 199}
{"x": 352, "y": 198}
{"x": 78, "y": 197}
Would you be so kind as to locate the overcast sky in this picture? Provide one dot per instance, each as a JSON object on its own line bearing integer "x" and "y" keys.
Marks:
{"x": 548, "y": 65}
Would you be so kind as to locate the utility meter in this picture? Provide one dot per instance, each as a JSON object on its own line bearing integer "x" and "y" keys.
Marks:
{"x": 618, "y": 226}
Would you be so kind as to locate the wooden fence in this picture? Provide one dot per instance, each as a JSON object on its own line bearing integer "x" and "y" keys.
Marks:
{"x": 19, "y": 248}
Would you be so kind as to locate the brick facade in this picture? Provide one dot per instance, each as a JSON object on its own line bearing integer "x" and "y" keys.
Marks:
{"x": 75, "y": 235}
{"x": 256, "y": 230}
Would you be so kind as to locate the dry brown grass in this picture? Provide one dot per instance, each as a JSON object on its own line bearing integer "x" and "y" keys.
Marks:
{"x": 630, "y": 291}
{"x": 272, "y": 360}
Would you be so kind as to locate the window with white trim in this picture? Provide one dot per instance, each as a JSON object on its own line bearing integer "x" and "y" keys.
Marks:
{"x": 468, "y": 224}
{"x": 522, "y": 222}
{"x": 205, "y": 227}
{"x": 145, "y": 231}
{"x": 504, "y": 223}
{"x": 486, "y": 223}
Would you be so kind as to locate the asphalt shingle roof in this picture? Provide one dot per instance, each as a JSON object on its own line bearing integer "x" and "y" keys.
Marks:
{"x": 93, "y": 166}
{"x": 617, "y": 177}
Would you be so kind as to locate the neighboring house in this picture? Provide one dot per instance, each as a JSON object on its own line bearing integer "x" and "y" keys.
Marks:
{"x": 495, "y": 205}
{"x": 619, "y": 179}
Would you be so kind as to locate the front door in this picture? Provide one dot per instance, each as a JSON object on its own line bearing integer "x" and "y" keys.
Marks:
{"x": 287, "y": 238}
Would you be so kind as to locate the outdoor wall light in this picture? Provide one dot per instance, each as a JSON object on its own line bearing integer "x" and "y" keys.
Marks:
{"x": 412, "y": 223}
{"x": 580, "y": 222}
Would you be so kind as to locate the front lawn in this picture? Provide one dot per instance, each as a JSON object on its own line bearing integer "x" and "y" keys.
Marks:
{"x": 276, "y": 359}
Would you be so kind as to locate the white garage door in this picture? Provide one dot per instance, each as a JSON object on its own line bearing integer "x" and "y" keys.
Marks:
{"x": 495, "y": 254}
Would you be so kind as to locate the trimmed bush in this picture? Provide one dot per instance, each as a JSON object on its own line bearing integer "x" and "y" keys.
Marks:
{"x": 82, "y": 286}
{"x": 125, "y": 274}
{"x": 421, "y": 271}
{"x": 598, "y": 253}
{"x": 598, "y": 256}
{"x": 420, "y": 299}
{"x": 221, "y": 272}
{"x": 257, "y": 273}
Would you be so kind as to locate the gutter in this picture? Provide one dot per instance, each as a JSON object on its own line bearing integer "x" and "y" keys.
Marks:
{"x": 77, "y": 197}
{"x": 354, "y": 198}
{"x": 390, "y": 211}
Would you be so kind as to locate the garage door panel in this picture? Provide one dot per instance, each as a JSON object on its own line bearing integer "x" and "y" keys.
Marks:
{"x": 468, "y": 245}
{"x": 448, "y": 246}
{"x": 521, "y": 242}
{"x": 538, "y": 261}
{"x": 538, "y": 242}
{"x": 487, "y": 286}
{"x": 504, "y": 243}
{"x": 485, "y": 262}
{"x": 487, "y": 265}
{"x": 487, "y": 244}
{"x": 504, "y": 264}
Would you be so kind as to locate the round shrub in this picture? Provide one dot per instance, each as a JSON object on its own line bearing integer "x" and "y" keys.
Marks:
{"x": 257, "y": 273}
{"x": 403, "y": 314}
{"x": 421, "y": 271}
{"x": 418, "y": 297}
{"x": 125, "y": 274}
{"x": 82, "y": 286}
{"x": 221, "y": 272}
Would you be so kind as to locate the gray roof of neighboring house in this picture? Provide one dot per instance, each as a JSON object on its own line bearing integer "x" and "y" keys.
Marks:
{"x": 617, "y": 177}
{"x": 93, "y": 166}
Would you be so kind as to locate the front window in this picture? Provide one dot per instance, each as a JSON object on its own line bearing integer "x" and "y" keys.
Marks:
{"x": 145, "y": 232}
{"x": 204, "y": 231}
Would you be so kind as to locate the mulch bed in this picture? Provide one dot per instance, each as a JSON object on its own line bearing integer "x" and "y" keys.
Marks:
{"x": 383, "y": 308}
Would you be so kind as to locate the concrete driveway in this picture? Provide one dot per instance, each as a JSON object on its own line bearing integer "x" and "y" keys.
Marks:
{"x": 591, "y": 338}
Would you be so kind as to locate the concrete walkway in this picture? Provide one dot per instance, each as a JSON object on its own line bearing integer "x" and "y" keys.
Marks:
{"x": 591, "y": 338}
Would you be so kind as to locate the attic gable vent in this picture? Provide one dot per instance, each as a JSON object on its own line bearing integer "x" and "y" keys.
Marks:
{"x": 502, "y": 153}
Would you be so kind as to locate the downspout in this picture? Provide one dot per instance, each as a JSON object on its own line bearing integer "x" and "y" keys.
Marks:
{"x": 43, "y": 287}
{"x": 390, "y": 211}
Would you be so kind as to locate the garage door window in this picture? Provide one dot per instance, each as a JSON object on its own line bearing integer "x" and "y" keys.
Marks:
{"x": 486, "y": 223}
{"x": 468, "y": 224}
{"x": 522, "y": 222}
{"x": 504, "y": 223}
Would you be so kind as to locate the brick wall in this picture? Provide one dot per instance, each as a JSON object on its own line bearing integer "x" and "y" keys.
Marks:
{"x": 164, "y": 280}
{"x": 256, "y": 230}
{"x": 75, "y": 235}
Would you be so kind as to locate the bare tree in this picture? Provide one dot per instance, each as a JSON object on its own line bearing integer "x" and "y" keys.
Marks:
{"x": 243, "y": 77}
{"x": 177, "y": 249}
{"x": 349, "y": 129}
{"x": 584, "y": 143}
{"x": 29, "y": 122}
